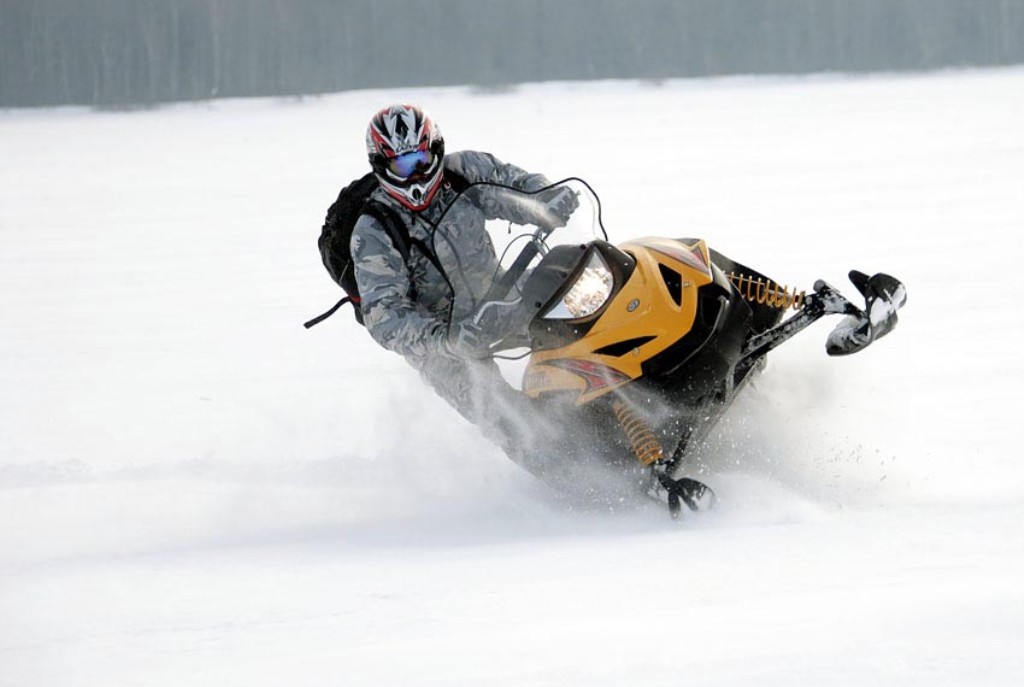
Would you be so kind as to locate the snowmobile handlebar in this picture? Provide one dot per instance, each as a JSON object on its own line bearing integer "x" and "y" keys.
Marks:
{"x": 517, "y": 269}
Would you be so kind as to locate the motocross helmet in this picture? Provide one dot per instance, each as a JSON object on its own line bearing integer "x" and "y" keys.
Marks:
{"x": 406, "y": 151}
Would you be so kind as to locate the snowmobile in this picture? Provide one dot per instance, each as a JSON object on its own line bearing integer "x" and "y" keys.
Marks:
{"x": 651, "y": 340}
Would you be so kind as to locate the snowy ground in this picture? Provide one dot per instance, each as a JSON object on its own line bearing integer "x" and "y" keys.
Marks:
{"x": 196, "y": 491}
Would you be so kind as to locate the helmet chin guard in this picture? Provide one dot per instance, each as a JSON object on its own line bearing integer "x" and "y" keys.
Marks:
{"x": 404, "y": 139}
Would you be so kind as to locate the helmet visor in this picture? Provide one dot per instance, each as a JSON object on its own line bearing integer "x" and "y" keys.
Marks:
{"x": 407, "y": 164}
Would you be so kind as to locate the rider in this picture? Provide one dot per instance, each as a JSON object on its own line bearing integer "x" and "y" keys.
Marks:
{"x": 408, "y": 304}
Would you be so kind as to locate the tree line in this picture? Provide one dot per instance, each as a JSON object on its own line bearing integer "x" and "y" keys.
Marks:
{"x": 121, "y": 53}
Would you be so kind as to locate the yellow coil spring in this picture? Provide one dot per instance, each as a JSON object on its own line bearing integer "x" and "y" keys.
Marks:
{"x": 767, "y": 292}
{"x": 641, "y": 437}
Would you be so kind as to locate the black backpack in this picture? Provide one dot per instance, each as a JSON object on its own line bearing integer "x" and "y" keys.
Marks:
{"x": 336, "y": 236}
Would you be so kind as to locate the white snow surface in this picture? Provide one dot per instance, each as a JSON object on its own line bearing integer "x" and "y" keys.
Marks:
{"x": 194, "y": 490}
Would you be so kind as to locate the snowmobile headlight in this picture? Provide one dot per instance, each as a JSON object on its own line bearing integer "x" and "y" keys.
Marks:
{"x": 588, "y": 293}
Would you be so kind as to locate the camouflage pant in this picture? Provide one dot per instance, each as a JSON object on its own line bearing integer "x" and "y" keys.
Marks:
{"x": 568, "y": 450}
{"x": 521, "y": 426}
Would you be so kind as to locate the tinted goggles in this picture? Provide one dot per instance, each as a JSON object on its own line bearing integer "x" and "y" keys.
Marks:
{"x": 407, "y": 164}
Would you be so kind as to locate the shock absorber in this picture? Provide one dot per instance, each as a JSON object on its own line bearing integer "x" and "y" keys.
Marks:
{"x": 767, "y": 292}
{"x": 696, "y": 495}
{"x": 641, "y": 437}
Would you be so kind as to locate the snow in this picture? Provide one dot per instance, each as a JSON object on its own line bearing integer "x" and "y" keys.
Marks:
{"x": 196, "y": 491}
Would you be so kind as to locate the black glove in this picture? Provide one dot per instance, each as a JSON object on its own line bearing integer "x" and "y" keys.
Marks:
{"x": 559, "y": 204}
{"x": 476, "y": 335}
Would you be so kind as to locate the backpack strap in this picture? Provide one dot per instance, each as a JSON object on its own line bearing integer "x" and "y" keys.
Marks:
{"x": 400, "y": 237}
{"x": 320, "y": 318}
{"x": 458, "y": 182}
{"x": 393, "y": 225}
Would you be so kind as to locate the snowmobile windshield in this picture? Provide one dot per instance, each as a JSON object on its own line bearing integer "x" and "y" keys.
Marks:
{"x": 492, "y": 236}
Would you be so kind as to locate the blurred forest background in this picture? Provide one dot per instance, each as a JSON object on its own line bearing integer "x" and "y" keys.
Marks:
{"x": 123, "y": 53}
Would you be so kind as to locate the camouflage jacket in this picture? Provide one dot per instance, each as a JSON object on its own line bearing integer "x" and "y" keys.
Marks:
{"x": 406, "y": 305}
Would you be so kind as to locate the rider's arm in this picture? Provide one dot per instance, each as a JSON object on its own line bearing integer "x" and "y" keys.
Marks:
{"x": 478, "y": 166}
{"x": 552, "y": 207}
{"x": 391, "y": 316}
